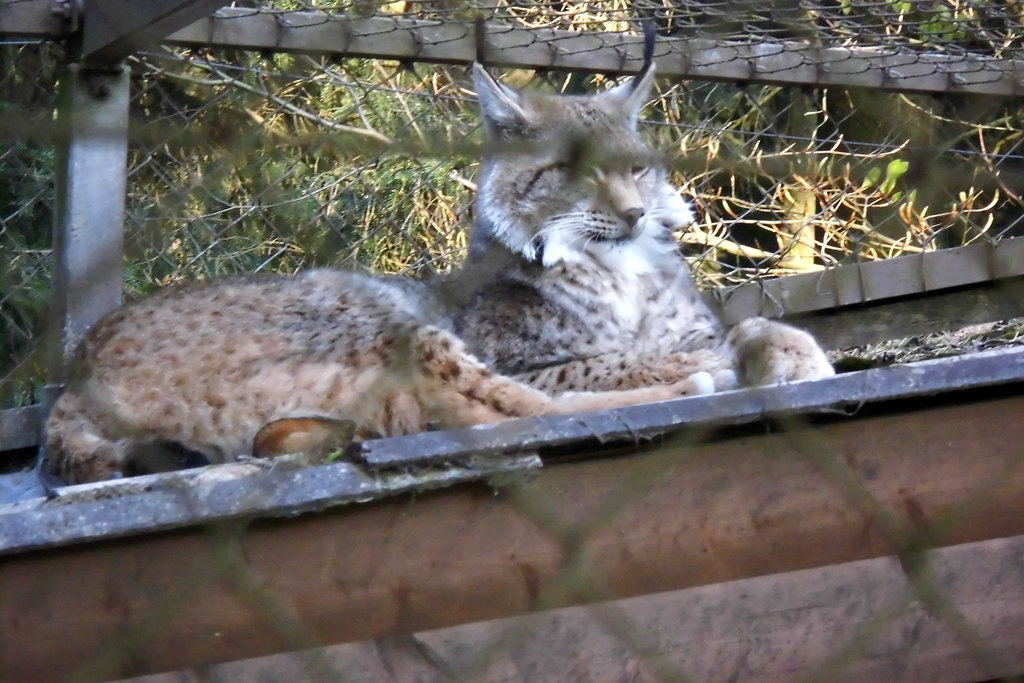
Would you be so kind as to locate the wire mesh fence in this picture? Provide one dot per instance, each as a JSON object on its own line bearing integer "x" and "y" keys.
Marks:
{"x": 247, "y": 158}
{"x": 26, "y": 209}
{"x": 688, "y": 512}
{"x": 244, "y": 161}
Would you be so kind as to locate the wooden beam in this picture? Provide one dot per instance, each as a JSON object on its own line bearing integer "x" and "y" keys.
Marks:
{"x": 873, "y": 281}
{"x": 778, "y": 62}
{"x": 113, "y": 29}
{"x": 916, "y": 315}
{"x": 869, "y": 620}
{"x": 20, "y": 427}
{"x": 32, "y": 19}
{"x": 676, "y": 515}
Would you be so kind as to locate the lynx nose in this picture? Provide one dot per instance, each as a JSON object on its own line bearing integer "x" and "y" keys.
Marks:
{"x": 624, "y": 197}
{"x": 632, "y": 216}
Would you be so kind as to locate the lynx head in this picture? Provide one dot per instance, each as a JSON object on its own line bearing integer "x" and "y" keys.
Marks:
{"x": 566, "y": 175}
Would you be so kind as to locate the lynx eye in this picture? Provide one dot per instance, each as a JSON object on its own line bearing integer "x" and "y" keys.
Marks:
{"x": 640, "y": 171}
{"x": 559, "y": 168}
{"x": 585, "y": 170}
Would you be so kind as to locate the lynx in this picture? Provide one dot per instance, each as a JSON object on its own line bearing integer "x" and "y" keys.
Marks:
{"x": 589, "y": 308}
{"x": 593, "y": 294}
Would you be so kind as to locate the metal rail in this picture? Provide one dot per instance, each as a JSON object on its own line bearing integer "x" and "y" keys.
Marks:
{"x": 217, "y": 494}
{"x": 842, "y": 394}
{"x": 776, "y": 62}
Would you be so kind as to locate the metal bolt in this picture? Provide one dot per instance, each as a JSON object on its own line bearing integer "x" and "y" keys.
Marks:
{"x": 99, "y": 90}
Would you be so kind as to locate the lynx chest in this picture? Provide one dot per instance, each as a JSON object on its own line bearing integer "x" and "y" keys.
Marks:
{"x": 653, "y": 309}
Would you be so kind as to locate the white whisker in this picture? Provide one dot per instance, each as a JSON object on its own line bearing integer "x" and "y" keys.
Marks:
{"x": 573, "y": 224}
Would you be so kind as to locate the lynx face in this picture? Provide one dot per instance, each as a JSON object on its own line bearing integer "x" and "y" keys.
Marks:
{"x": 568, "y": 175}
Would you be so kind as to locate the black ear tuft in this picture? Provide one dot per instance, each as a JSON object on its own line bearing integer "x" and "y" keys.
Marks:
{"x": 481, "y": 40}
{"x": 650, "y": 36}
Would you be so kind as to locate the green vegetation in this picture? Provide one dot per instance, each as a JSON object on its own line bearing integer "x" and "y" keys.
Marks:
{"x": 26, "y": 200}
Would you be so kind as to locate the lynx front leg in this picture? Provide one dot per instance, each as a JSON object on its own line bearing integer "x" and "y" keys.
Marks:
{"x": 698, "y": 384}
{"x": 770, "y": 352}
{"x": 622, "y": 371}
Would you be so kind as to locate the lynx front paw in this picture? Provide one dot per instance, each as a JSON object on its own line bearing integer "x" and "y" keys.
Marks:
{"x": 725, "y": 379}
{"x": 771, "y": 352}
{"x": 703, "y": 383}
{"x": 698, "y": 384}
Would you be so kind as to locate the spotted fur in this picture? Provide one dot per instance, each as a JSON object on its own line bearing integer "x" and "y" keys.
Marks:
{"x": 574, "y": 298}
{"x": 205, "y": 367}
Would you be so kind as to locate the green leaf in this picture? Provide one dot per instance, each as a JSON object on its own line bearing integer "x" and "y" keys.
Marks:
{"x": 871, "y": 178}
{"x": 893, "y": 172}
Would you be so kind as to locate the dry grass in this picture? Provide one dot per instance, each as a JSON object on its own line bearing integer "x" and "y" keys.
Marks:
{"x": 966, "y": 340}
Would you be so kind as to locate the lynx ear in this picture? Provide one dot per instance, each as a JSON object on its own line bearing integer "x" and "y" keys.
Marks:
{"x": 501, "y": 106}
{"x": 632, "y": 95}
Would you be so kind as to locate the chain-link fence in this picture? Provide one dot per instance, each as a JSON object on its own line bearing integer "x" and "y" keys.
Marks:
{"x": 27, "y": 166}
{"x": 809, "y": 135}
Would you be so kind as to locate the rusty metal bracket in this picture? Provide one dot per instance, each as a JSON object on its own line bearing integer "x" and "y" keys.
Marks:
{"x": 69, "y": 12}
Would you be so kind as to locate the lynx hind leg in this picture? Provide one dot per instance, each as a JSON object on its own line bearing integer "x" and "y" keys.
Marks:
{"x": 461, "y": 391}
{"x": 770, "y": 352}
{"x": 78, "y": 448}
{"x": 674, "y": 367}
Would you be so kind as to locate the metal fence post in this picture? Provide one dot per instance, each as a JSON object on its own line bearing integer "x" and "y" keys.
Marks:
{"x": 88, "y": 226}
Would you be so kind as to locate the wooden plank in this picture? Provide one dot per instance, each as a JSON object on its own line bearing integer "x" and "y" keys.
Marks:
{"x": 916, "y": 315}
{"x": 784, "y": 63}
{"x": 684, "y": 513}
{"x": 862, "y": 621}
{"x": 223, "y": 493}
{"x": 31, "y": 19}
{"x": 20, "y": 427}
{"x": 871, "y": 281}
